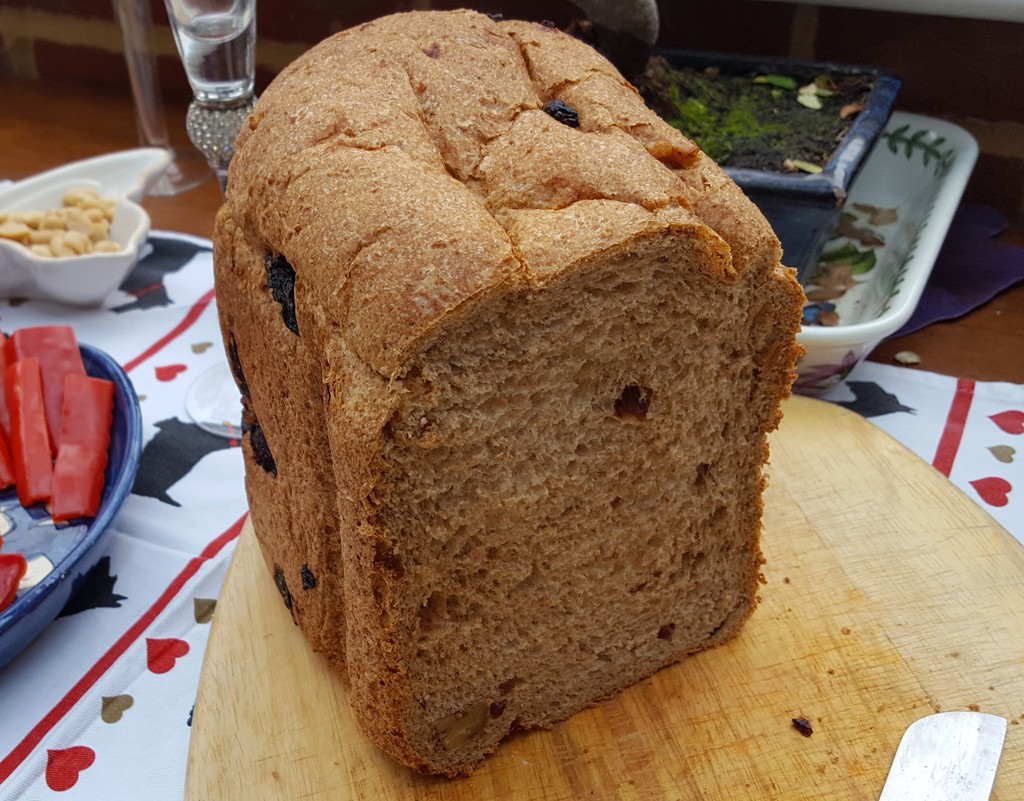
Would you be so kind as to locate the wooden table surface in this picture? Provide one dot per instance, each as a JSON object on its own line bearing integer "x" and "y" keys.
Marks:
{"x": 45, "y": 125}
{"x": 858, "y": 630}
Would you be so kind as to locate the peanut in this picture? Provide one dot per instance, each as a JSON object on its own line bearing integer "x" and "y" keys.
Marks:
{"x": 79, "y": 196}
{"x": 100, "y": 231}
{"x": 30, "y": 218}
{"x": 42, "y": 236}
{"x": 53, "y": 220}
{"x": 59, "y": 248}
{"x": 81, "y": 226}
{"x": 75, "y": 220}
{"x": 17, "y": 231}
{"x": 77, "y": 241}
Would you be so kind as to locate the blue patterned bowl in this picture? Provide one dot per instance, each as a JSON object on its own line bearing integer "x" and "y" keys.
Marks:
{"x": 66, "y": 552}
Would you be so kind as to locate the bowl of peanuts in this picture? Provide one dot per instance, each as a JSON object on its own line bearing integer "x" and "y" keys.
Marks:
{"x": 73, "y": 233}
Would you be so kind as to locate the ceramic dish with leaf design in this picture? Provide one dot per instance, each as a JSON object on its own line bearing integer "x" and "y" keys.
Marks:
{"x": 873, "y": 270}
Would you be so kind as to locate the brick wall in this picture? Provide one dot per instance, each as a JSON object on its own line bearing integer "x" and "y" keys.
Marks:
{"x": 965, "y": 70}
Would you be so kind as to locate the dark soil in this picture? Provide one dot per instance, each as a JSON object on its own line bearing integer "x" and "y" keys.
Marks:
{"x": 749, "y": 120}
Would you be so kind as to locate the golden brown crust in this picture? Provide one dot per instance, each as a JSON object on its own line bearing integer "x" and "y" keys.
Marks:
{"x": 416, "y": 98}
{"x": 565, "y": 68}
{"x": 554, "y": 241}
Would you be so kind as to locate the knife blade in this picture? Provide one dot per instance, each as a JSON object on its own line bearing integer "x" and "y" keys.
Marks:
{"x": 948, "y": 756}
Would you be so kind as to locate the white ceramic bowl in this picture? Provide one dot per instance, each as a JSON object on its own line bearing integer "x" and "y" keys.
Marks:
{"x": 88, "y": 279}
{"x": 897, "y": 215}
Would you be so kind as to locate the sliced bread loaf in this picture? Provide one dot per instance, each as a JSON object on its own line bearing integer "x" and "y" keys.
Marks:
{"x": 509, "y": 348}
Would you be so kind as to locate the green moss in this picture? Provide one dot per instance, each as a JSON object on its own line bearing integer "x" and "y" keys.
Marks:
{"x": 718, "y": 132}
{"x": 748, "y": 120}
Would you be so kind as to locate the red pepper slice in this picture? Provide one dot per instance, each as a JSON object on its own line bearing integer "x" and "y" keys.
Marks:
{"x": 56, "y": 348}
{"x": 6, "y": 462}
{"x": 5, "y": 415}
{"x": 30, "y": 446}
{"x": 12, "y": 567}
{"x": 82, "y": 457}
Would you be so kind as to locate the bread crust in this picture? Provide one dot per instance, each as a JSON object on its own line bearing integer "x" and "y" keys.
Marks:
{"x": 407, "y": 175}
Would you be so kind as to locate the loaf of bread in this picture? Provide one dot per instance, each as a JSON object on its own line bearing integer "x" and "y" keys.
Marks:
{"x": 509, "y": 348}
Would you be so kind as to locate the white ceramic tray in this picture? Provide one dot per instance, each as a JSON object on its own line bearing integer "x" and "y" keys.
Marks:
{"x": 894, "y": 222}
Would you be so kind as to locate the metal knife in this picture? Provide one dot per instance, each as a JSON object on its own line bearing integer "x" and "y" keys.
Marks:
{"x": 948, "y": 756}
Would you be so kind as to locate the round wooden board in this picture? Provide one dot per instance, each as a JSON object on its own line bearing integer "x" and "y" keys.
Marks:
{"x": 889, "y": 595}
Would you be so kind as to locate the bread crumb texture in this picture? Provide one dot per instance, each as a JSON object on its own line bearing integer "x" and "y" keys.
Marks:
{"x": 507, "y": 375}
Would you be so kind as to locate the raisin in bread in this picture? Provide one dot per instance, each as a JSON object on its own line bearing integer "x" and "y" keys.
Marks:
{"x": 509, "y": 348}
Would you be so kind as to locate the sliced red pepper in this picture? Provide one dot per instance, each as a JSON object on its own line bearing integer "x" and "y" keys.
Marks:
{"x": 56, "y": 348}
{"x": 5, "y": 415}
{"x": 12, "y": 568}
{"x": 30, "y": 445}
{"x": 6, "y": 462}
{"x": 82, "y": 457}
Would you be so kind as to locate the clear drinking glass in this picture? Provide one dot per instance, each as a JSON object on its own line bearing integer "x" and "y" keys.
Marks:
{"x": 217, "y": 43}
{"x": 187, "y": 168}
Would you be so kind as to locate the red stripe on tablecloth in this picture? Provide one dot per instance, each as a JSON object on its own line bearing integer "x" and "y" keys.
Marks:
{"x": 74, "y": 695}
{"x": 953, "y": 432}
{"x": 186, "y": 323}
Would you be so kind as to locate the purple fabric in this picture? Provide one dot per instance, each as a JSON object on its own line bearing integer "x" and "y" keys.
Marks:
{"x": 971, "y": 269}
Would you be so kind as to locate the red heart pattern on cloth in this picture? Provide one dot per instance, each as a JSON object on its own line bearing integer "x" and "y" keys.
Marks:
{"x": 993, "y": 490}
{"x": 63, "y": 766}
{"x": 1012, "y": 422}
{"x": 169, "y": 372}
{"x": 163, "y": 654}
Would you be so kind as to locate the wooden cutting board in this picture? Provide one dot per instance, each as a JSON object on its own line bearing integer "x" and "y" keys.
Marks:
{"x": 889, "y": 595}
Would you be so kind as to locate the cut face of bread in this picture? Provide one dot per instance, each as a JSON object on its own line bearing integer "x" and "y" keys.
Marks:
{"x": 569, "y": 498}
{"x": 507, "y": 381}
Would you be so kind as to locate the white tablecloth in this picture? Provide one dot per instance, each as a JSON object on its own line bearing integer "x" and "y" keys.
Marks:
{"x": 99, "y": 707}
